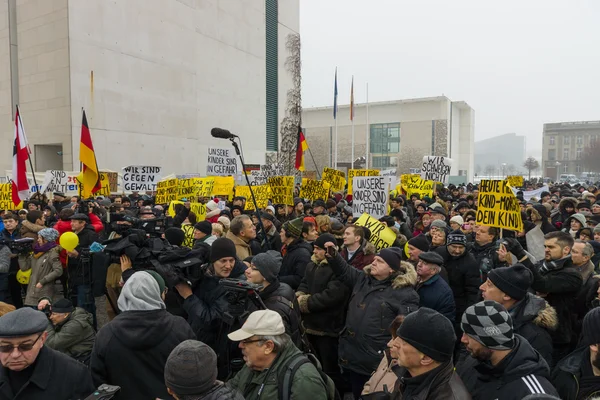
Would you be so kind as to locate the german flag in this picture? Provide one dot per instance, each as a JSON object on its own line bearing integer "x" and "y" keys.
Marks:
{"x": 90, "y": 176}
{"x": 301, "y": 147}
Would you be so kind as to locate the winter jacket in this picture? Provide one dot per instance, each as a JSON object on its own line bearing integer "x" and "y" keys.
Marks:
{"x": 437, "y": 295}
{"x": 132, "y": 349}
{"x": 205, "y": 310}
{"x": 296, "y": 258}
{"x": 534, "y": 319}
{"x": 541, "y": 214}
{"x": 273, "y": 237}
{"x": 307, "y": 383}
{"x": 242, "y": 248}
{"x": 323, "y": 300}
{"x": 567, "y": 224}
{"x": 441, "y": 383}
{"x": 281, "y": 298}
{"x": 584, "y": 298}
{"x": 568, "y": 373}
{"x": 74, "y": 336}
{"x": 522, "y": 372}
{"x": 384, "y": 378}
{"x": 45, "y": 269}
{"x": 561, "y": 285}
{"x": 201, "y": 250}
{"x": 373, "y": 306}
{"x": 55, "y": 376}
{"x": 363, "y": 256}
{"x": 559, "y": 218}
{"x": 29, "y": 230}
{"x": 487, "y": 258}
{"x": 221, "y": 392}
{"x": 463, "y": 278}
{"x": 78, "y": 273}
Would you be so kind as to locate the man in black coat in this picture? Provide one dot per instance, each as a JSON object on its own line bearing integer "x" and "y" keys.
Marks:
{"x": 296, "y": 253}
{"x": 32, "y": 370}
{"x": 484, "y": 250}
{"x": 433, "y": 291}
{"x": 206, "y": 303}
{"x": 276, "y": 296}
{"x": 533, "y": 318}
{"x": 272, "y": 235}
{"x": 323, "y": 301}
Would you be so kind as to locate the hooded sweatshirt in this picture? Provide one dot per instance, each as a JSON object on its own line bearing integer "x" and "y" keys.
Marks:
{"x": 141, "y": 293}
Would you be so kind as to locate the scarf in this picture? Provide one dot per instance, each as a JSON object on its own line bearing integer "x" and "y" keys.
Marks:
{"x": 40, "y": 250}
{"x": 548, "y": 266}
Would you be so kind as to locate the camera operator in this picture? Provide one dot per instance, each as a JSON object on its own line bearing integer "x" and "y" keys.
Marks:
{"x": 70, "y": 330}
{"x": 60, "y": 201}
{"x": 10, "y": 233}
{"x": 206, "y": 303}
{"x": 79, "y": 268}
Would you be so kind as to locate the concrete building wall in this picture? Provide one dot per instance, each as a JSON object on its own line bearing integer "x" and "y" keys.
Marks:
{"x": 578, "y": 135}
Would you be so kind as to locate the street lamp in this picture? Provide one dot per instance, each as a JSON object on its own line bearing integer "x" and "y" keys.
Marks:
{"x": 503, "y": 167}
{"x": 557, "y": 170}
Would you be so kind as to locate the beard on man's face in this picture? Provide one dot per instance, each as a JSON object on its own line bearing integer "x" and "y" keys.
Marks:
{"x": 596, "y": 360}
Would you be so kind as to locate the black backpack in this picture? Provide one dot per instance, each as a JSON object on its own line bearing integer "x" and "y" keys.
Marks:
{"x": 284, "y": 391}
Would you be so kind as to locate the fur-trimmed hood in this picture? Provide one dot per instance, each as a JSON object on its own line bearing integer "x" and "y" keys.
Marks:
{"x": 538, "y": 311}
{"x": 401, "y": 280}
{"x": 565, "y": 200}
{"x": 323, "y": 263}
{"x": 28, "y": 227}
{"x": 368, "y": 248}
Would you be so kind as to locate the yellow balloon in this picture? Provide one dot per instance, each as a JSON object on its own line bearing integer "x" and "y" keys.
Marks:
{"x": 69, "y": 241}
{"x": 23, "y": 277}
{"x": 406, "y": 249}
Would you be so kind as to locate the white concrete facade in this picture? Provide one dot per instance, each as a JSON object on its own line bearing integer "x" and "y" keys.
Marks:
{"x": 154, "y": 77}
{"x": 428, "y": 126}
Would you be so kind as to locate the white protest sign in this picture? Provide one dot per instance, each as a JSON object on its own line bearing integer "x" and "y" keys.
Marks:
{"x": 370, "y": 195}
{"x": 436, "y": 168}
{"x": 388, "y": 172}
{"x": 257, "y": 178}
{"x": 140, "y": 178}
{"x": 60, "y": 181}
{"x": 528, "y": 194}
{"x": 221, "y": 162}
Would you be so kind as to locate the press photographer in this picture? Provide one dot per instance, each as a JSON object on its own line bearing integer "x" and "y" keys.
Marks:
{"x": 207, "y": 302}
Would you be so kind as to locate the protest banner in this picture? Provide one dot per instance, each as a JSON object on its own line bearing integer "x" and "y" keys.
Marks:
{"x": 436, "y": 168}
{"x": 370, "y": 195}
{"x": 197, "y": 208}
{"x": 6, "y": 202}
{"x": 221, "y": 162}
{"x": 312, "y": 189}
{"x": 261, "y": 194}
{"x": 105, "y": 185}
{"x": 257, "y": 177}
{"x": 529, "y": 194}
{"x": 59, "y": 181}
{"x": 113, "y": 181}
{"x": 337, "y": 179}
{"x": 413, "y": 184}
{"x": 360, "y": 172}
{"x": 282, "y": 189}
{"x": 515, "y": 181}
{"x": 389, "y": 172}
{"x": 381, "y": 236}
{"x": 166, "y": 191}
{"x": 223, "y": 186}
{"x": 497, "y": 206}
{"x": 140, "y": 178}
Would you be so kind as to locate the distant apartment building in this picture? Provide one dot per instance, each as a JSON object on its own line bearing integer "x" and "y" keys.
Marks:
{"x": 564, "y": 144}
{"x": 508, "y": 149}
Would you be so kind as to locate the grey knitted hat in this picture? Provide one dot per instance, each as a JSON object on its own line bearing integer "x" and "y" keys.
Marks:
{"x": 490, "y": 324}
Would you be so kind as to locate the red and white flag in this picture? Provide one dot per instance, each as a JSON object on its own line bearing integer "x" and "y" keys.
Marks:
{"x": 20, "y": 186}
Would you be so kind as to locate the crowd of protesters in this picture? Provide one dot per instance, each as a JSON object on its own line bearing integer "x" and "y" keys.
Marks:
{"x": 449, "y": 310}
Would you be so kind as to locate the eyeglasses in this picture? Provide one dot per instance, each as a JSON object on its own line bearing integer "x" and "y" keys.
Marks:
{"x": 245, "y": 342}
{"x": 23, "y": 347}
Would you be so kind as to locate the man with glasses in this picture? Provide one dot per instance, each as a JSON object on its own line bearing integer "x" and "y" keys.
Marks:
{"x": 32, "y": 370}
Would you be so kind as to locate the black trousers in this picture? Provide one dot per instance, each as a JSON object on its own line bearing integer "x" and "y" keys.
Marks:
{"x": 326, "y": 350}
{"x": 357, "y": 381}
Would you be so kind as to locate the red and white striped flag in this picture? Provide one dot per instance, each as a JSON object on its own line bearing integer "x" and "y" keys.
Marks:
{"x": 20, "y": 186}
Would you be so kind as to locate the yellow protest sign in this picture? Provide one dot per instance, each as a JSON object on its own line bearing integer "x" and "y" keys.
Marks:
{"x": 6, "y": 202}
{"x": 381, "y": 236}
{"x": 312, "y": 189}
{"x": 105, "y": 182}
{"x": 223, "y": 186}
{"x": 166, "y": 191}
{"x": 197, "y": 208}
{"x": 515, "y": 181}
{"x": 335, "y": 178}
{"x": 191, "y": 188}
{"x": 498, "y": 206}
{"x": 261, "y": 193}
{"x": 282, "y": 189}
{"x": 360, "y": 172}
{"x": 413, "y": 184}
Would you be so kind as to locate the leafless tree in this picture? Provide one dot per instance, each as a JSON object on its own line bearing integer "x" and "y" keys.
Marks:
{"x": 531, "y": 164}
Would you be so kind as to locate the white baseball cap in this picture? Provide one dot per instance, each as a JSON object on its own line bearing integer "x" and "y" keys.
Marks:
{"x": 260, "y": 323}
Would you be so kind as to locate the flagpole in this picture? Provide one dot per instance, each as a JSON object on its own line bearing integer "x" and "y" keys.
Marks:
{"x": 352, "y": 118}
{"x": 20, "y": 122}
{"x": 367, "y": 132}
{"x": 336, "y": 145}
{"x": 335, "y": 110}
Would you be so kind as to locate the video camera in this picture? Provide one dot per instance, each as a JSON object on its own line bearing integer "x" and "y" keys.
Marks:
{"x": 239, "y": 291}
{"x": 19, "y": 246}
{"x": 153, "y": 227}
{"x": 83, "y": 206}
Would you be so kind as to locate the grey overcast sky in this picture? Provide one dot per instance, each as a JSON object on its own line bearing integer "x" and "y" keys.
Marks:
{"x": 518, "y": 63}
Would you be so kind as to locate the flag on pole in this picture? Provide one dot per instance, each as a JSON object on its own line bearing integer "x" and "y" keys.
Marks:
{"x": 352, "y": 100}
{"x": 90, "y": 176}
{"x": 301, "y": 147}
{"x": 20, "y": 186}
{"x": 335, "y": 94}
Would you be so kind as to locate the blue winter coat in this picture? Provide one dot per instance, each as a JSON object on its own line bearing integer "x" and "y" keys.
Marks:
{"x": 437, "y": 295}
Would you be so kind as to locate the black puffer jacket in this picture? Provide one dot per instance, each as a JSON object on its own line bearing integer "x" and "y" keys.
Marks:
{"x": 373, "y": 306}
{"x": 132, "y": 349}
{"x": 534, "y": 319}
{"x": 78, "y": 273}
{"x": 567, "y": 375}
{"x": 522, "y": 372}
{"x": 221, "y": 392}
{"x": 280, "y": 297}
{"x": 441, "y": 383}
{"x": 297, "y": 256}
{"x": 323, "y": 300}
{"x": 486, "y": 258}
{"x": 463, "y": 277}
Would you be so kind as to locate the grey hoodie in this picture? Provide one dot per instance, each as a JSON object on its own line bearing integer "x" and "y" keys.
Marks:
{"x": 140, "y": 293}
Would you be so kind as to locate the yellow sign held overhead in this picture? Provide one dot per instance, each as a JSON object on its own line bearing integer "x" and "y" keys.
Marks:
{"x": 313, "y": 190}
{"x": 360, "y": 172}
{"x": 515, "y": 181}
{"x": 335, "y": 178}
{"x": 381, "y": 236}
{"x": 413, "y": 184}
{"x": 498, "y": 206}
